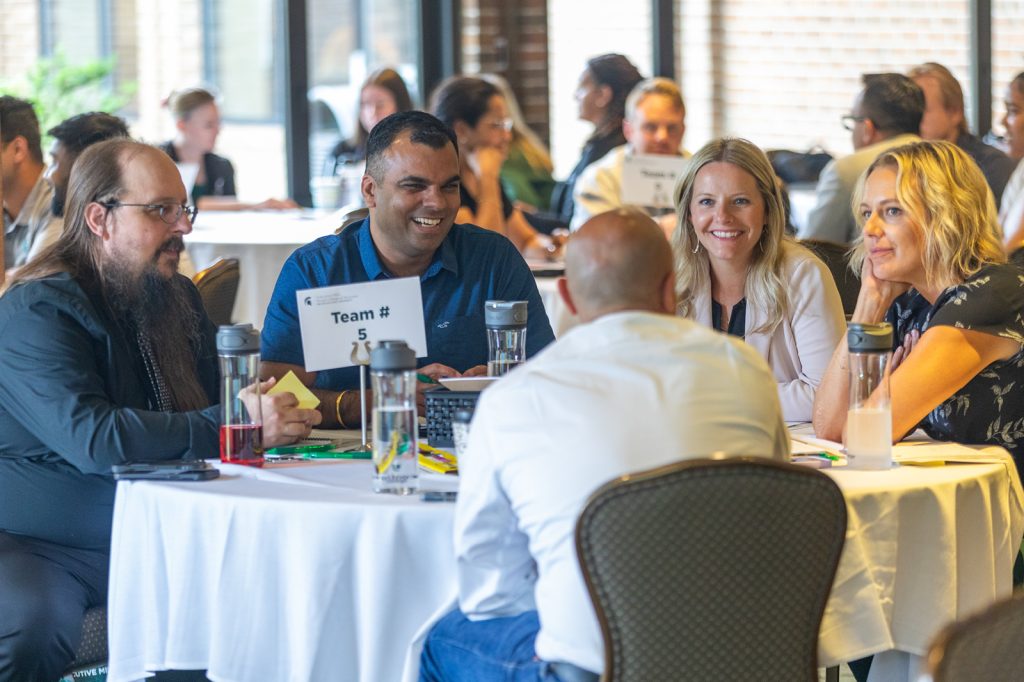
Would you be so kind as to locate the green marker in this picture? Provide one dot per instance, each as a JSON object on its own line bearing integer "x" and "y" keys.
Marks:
{"x": 338, "y": 455}
{"x": 300, "y": 449}
{"x": 424, "y": 378}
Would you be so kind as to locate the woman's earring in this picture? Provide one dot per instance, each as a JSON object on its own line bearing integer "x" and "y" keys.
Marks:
{"x": 696, "y": 248}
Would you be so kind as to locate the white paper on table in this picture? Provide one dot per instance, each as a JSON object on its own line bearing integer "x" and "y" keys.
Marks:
{"x": 333, "y": 319}
{"x": 649, "y": 179}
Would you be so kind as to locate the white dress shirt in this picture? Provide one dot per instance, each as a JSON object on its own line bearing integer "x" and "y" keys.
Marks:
{"x": 627, "y": 392}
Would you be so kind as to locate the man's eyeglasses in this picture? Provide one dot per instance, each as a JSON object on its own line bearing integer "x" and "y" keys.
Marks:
{"x": 169, "y": 213}
{"x": 849, "y": 121}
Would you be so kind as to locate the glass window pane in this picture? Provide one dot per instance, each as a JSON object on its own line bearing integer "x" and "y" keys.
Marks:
{"x": 348, "y": 39}
{"x": 575, "y": 34}
{"x": 243, "y": 57}
{"x": 76, "y": 29}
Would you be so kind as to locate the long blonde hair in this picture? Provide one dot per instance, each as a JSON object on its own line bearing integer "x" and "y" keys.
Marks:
{"x": 764, "y": 288}
{"x": 944, "y": 192}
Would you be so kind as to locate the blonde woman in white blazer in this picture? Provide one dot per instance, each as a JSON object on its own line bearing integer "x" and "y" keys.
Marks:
{"x": 736, "y": 270}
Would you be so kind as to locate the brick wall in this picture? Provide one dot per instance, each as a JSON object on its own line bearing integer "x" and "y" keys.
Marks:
{"x": 512, "y": 41}
{"x": 19, "y": 37}
{"x": 782, "y": 74}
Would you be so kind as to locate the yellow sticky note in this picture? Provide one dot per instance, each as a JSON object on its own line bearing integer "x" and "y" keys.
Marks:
{"x": 291, "y": 384}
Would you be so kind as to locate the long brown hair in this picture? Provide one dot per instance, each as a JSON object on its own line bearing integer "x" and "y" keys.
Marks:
{"x": 96, "y": 176}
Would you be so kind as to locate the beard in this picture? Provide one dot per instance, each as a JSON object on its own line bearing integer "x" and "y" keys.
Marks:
{"x": 160, "y": 308}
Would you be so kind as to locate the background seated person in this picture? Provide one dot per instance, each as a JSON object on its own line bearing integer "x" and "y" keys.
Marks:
{"x": 600, "y": 95}
{"x": 383, "y": 93}
{"x": 886, "y": 113}
{"x": 197, "y": 120}
{"x": 25, "y": 195}
{"x": 633, "y": 387}
{"x": 476, "y": 111}
{"x": 944, "y": 119}
{"x": 411, "y": 188}
{"x": 107, "y": 357}
{"x": 655, "y": 123}
{"x": 526, "y": 173}
{"x": 932, "y": 264}
{"x": 739, "y": 273}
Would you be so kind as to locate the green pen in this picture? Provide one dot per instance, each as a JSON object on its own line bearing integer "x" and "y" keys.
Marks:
{"x": 300, "y": 449}
{"x": 319, "y": 454}
{"x": 425, "y": 379}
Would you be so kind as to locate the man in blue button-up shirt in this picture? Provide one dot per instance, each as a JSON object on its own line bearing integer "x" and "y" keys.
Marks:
{"x": 411, "y": 188}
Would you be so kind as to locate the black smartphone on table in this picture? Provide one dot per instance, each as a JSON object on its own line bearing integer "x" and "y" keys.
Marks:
{"x": 169, "y": 470}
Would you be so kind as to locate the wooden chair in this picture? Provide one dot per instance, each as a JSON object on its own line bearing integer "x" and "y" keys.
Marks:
{"x": 986, "y": 646}
{"x": 218, "y": 287}
{"x": 712, "y": 569}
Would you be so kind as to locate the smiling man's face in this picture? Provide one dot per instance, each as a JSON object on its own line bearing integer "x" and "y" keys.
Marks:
{"x": 413, "y": 205}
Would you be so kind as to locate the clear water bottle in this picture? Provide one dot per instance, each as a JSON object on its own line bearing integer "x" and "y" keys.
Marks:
{"x": 241, "y": 425}
{"x": 395, "y": 451}
{"x": 869, "y": 419}
{"x": 506, "y": 335}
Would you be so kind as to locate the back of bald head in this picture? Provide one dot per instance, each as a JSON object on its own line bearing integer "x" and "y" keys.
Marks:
{"x": 619, "y": 260}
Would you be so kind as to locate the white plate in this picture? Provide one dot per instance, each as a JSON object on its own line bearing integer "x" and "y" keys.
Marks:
{"x": 467, "y": 383}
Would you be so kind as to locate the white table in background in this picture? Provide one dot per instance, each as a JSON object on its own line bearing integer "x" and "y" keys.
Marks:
{"x": 261, "y": 241}
{"x": 559, "y": 315}
{"x": 299, "y": 572}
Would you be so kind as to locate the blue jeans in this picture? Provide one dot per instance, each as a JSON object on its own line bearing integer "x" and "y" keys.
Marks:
{"x": 501, "y": 649}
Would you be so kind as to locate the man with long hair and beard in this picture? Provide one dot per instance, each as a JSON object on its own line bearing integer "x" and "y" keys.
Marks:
{"x": 106, "y": 357}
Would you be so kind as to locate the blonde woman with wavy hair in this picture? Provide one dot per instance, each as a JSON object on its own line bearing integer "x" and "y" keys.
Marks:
{"x": 737, "y": 272}
{"x": 932, "y": 264}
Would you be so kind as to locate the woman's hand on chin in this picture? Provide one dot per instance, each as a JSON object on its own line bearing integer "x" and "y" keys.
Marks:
{"x": 876, "y": 295}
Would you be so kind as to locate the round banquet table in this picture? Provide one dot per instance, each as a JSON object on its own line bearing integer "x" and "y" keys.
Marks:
{"x": 299, "y": 572}
{"x": 261, "y": 241}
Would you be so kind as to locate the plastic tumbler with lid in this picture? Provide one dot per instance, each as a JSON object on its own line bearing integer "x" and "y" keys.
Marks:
{"x": 241, "y": 430}
{"x": 395, "y": 451}
{"x": 869, "y": 419}
{"x": 506, "y": 335}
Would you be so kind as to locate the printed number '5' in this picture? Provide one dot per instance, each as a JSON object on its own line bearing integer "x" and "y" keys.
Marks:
{"x": 362, "y": 334}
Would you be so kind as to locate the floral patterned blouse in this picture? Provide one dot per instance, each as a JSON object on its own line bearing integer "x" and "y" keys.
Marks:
{"x": 990, "y": 408}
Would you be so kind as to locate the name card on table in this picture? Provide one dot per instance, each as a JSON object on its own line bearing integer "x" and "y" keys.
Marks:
{"x": 332, "y": 319}
{"x": 649, "y": 179}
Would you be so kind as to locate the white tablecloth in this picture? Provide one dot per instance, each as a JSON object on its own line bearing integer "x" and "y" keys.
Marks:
{"x": 261, "y": 241}
{"x": 299, "y": 572}
{"x": 286, "y": 573}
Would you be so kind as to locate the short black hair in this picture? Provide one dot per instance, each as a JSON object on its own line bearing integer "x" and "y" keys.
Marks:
{"x": 893, "y": 102}
{"x": 18, "y": 118}
{"x": 462, "y": 98}
{"x": 425, "y": 129}
{"x": 81, "y": 131}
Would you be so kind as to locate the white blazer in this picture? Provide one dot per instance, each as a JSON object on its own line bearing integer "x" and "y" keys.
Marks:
{"x": 800, "y": 348}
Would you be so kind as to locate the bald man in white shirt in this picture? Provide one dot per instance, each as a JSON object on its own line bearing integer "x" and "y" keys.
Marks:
{"x": 633, "y": 387}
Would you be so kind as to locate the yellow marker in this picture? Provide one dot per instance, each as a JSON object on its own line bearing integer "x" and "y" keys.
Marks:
{"x": 398, "y": 438}
{"x": 290, "y": 383}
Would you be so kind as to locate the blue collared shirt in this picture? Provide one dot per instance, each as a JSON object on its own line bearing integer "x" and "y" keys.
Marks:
{"x": 471, "y": 266}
